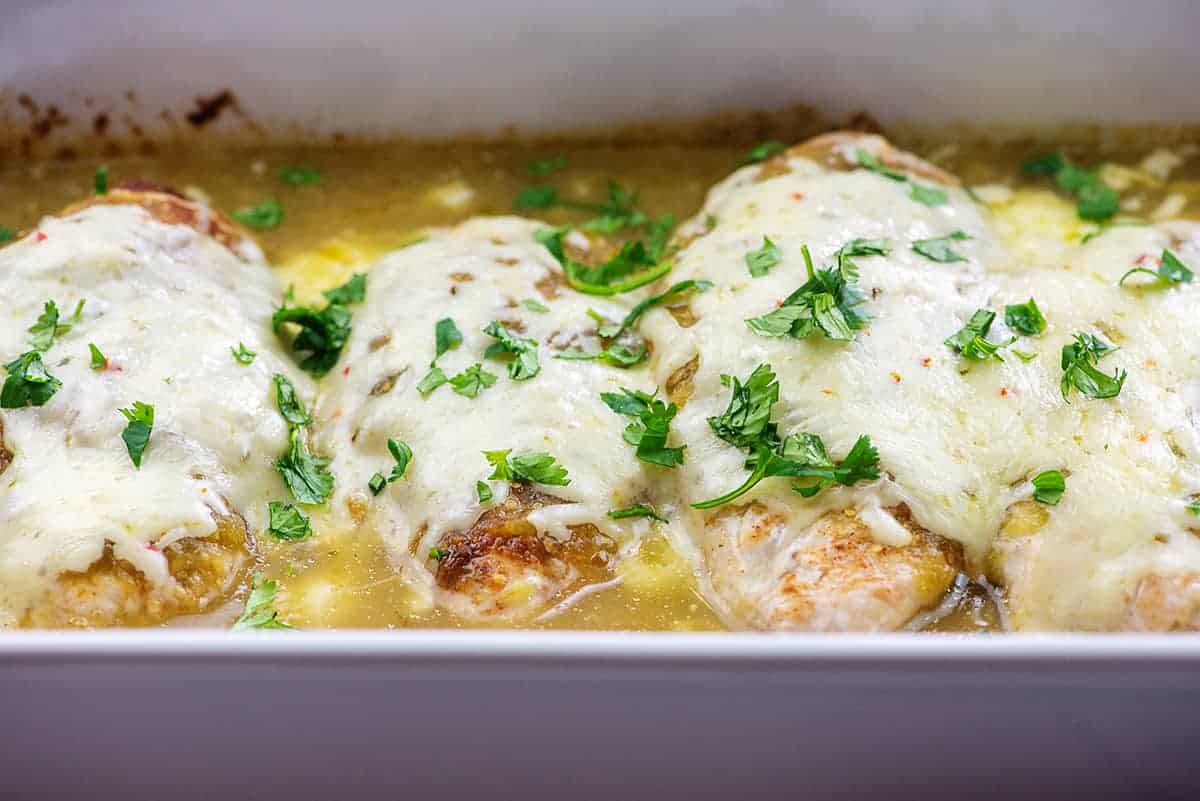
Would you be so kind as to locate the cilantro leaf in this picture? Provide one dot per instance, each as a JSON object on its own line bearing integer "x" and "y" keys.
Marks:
{"x": 29, "y": 383}
{"x": 137, "y": 431}
{"x": 927, "y": 195}
{"x": 535, "y": 305}
{"x": 654, "y": 300}
{"x": 291, "y": 408}
{"x": 353, "y": 291}
{"x": 537, "y": 197}
{"x": 260, "y": 612}
{"x": 971, "y": 341}
{"x": 941, "y": 249}
{"x": 1025, "y": 318}
{"x": 650, "y": 432}
{"x": 525, "y": 364}
{"x": 321, "y": 337}
{"x": 616, "y": 355}
{"x": 637, "y": 510}
{"x": 100, "y": 180}
{"x": 827, "y": 302}
{"x": 46, "y": 327}
{"x": 483, "y": 491}
{"x": 543, "y": 167}
{"x": 1080, "y": 371}
{"x": 763, "y": 151}
{"x": 7, "y": 235}
{"x": 1094, "y": 199}
{"x": 267, "y": 214}
{"x": 1170, "y": 271}
{"x": 446, "y": 337}
{"x": 403, "y": 455}
{"x": 762, "y": 260}
{"x": 868, "y": 160}
{"x": 305, "y": 475}
{"x": 535, "y": 468}
{"x": 300, "y": 176}
{"x": 470, "y": 382}
{"x": 747, "y": 420}
{"x": 241, "y": 354}
{"x": 432, "y": 380}
{"x": 633, "y": 267}
{"x": 287, "y": 522}
{"x": 1048, "y": 487}
{"x": 99, "y": 360}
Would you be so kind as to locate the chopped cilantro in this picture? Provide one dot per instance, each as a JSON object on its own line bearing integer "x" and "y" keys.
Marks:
{"x": 432, "y": 380}
{"x": 650, "y": 431}
{"x": 305, "y": 475}
{"x": 536, "y": 468}
{"x": 29, "y": 383}
{"x": 535, "y": 306}
{"x": 524, "y": 365}
{"x": 654, "y": 300}
{"x": 100, "y": 180}
{"x": 446, "y": 336}
{"x": 470, "y": 382}
{"x": 543, "y": 167}
{"x": 267, "y": 214}
{"x": 1025, "y": 318}
{"x": 637, "y": 510}
{"x": 300, "y": 176}
{"x": 7, "y": 235}
{"x": 634, "y": 266}
{"x": 763, "y": 151}
{"x": 971, "y": 340}
{"x": 291, "y": 408}
{"x": 287, "y": 522}
{"x": 927, "y": 195}
{"x": 260, "y": 607}
{"x": 140, "y": 423}
{"x": 941, "y": 249}
{"x": 1048, "y": 487}
{"x": 46, "y": 327}
{"x": 1079, "y": 369}
{"x": 762, "y": 260}
{"x": 242, "y": 354}
{"x": 483, "y": 491}
{"x": 1094, "y": 199}
{"x": 828, "y": 302}
{"x": 403, "y": 455}
{"x": 353, "y": 291}
{"x": 99, "y": 360}
{"x": 868, "y": 161}
{"x": 1170, "y": 271}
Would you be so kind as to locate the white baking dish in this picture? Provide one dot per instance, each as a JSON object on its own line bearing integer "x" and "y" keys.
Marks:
{"x": 536, "y": 715}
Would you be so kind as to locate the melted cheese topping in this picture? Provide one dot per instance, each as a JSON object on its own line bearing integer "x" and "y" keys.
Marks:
{"x": 958, "y": 440}
{"x": 165, "y": 305}
{"x": 478, "y": 272}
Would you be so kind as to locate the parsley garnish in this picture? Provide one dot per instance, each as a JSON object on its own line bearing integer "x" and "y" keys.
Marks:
{"x": 483, "y": 491}
{"x": 300, "y": 176}
{"x": 1048, "y": 487}
{"x": 437, "y": 554}
{"x": 1025, "y": 318}
{"x": 403, "y": 455}
{"x": 614, "y": 331}
{"x": 941, "y": 249}
{"x": 29, "y": 383}
{"x": 470, "y": 382}
{"x": 868, "y": 160}
{"x": 241, "y": 354}
{"x": 617, "y": 212}
{"x": 827, "y": 302}
{"x": 637, "y": 510}
{"x": 137, "y": 431}
{"x": 536, "y": 468}
{"x": 1079, "y": 369}
{"x": 1193, "y": 505}
{"x": 543, "y": 167}
{"x": 524, "y": 365}
{"x": 48, "y": 326}
{"x": 971, "y": 340}
{"x": 305, "y": 474}
{"x": 615, "y": 355}
{"x": 432, "y": 380}
{"x": 746, "y": 424}
{"x": 650, "y": 431}
{"x": 763, "y": 151}
{"x": 1094, "y": 199}
{"x": 446, "y": 337}
{"x": 291, "y": 408}
{"x": 7, "y": 235}
{"x": 99, "y": 360}
{"x": 636, "y": 265}
{"x": 287, "y": 522}
{"x": 1170, "y": 271}
{"x": 762, "y": 260}
{"x": 353, "y": 291}
{"x": 323, "y": 333}
{"x": 260, "y": 612}
{"x": 535, "y": 306}
{"x": 100, "y": 180}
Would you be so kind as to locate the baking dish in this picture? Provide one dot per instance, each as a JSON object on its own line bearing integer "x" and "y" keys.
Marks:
{"x": 374, "y": 715}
